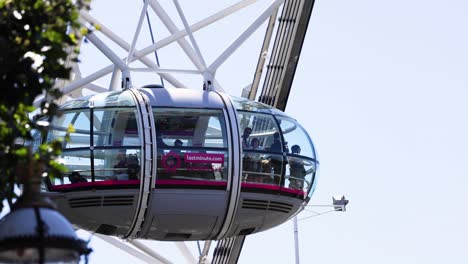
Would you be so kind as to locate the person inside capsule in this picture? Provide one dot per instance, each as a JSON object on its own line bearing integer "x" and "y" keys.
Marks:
{"x": 120, "y": 172}
{"x": 254, "y": 161}
{"x": 245, "y": 136}
{"x": 276, "y": 164}
{"x": 133, "y": 167}
{"x": 297, "y": 169}
{"x": 75, "y": 177}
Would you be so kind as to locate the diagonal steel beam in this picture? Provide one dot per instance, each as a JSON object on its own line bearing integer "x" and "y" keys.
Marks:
{"x": 285, "y": 53}
{"x": 149, "y": 251}
{"x": 130, "y": 250}
{"x": 246, "y": 34}
{"x": 126, "y": 46}
{"x": 162, "y": 43}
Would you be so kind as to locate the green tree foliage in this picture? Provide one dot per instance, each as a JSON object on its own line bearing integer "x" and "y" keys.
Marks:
{"x": 37, "y": 37}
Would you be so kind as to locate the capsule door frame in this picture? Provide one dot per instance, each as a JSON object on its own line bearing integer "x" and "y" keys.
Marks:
{"x": 235, "y": 165}
{"x": 147, "y": 136}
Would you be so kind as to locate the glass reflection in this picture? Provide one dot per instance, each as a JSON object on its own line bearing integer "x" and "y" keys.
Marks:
{"x": 191, "y": 144}
{"x": 115, "y": 127}
{"x": 261, "y": 148}
{"x": 301, "y": 173}
{"x": 262, "y": 168}
{"x": 78, "y": 163}
{"x": 104, "y": 143}
{"x": 294, "y": 134}
{"x": 117, "y": 164}
{"x": 79, "y": 119}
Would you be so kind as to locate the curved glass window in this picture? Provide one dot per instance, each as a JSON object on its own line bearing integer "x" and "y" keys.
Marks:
{"x": 118, "y": 98}
{"x": 294, "y": 134}
{"x": 302, "y": 164}
{"x": 262, "y": 157}
{"x": 276, "y": 158}
{"x": 120, "y": 164}
{"x": 104, "y": 146}
{"x": 115, "y": 127}
{"x": 248, "y": 105}
{"x": 78, "y": 163}
{"x": 79, "y": 119}
{"x": 82, "y": 102}
{"x": 192, "y": 146}
{"x": 242, "y": 104}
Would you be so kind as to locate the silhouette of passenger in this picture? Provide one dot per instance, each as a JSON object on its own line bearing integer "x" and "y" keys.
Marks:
{"x": 245, "y": 136}
{"x": 276, "y": 145}
{"x": 75, "y": 177}
{"x": 297, "y": 169}
{"x": 173, "y": 162}
{"x": 276, "y": 162}
{"x": 296, "y": 149}
{"x": 254, "y": 161}
{"x": 159, "y": 141}
{"x": 133, "y": 166}
{"x": 127, "y": 167}
{"x": 121, "y": 165}
{"x": 255, "y": 144}
{"x": 122, "y": 160}
{"x": 178, "y": 143}
{"x": 183, "y": 167}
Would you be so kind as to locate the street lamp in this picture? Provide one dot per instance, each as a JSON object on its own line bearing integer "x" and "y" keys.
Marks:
{"x": 338, "y": 204}
{"x": 34, "y": 232}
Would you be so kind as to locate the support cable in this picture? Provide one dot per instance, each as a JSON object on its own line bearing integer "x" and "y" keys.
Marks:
{"x": 152, "y": 42}
{"x": 199, "y": 248}
{"x": 326, "y": 212}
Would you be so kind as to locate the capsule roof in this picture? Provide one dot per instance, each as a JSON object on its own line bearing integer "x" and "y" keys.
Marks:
{"x": 172, "y": 97}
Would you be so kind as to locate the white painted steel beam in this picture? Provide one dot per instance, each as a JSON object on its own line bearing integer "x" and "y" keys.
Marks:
{"x": 126, "y": 46}
{"x": 162, "y": 43}
{"x": 118, "y": 62}
{"x": 170, "y": 25}
{"x": 263, "y": 56}
{"x": 159, "y": 70}
{"x": 130, "y": 250}
{"x": 186, "y": 252}
{"x": 204, "y": 255}
{"x": 149, "y": 251}
{"x": 244, "y": 36}
{"x": 137, "y": 32}
{"x": 115, "y": 80}
{"x": 190, "y": 34}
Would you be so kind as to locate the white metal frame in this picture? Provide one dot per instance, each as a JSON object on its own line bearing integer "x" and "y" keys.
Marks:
{"x": 122, "y": 65}
{"x": 139, "y": 250}
{"x": 120, "y": 68}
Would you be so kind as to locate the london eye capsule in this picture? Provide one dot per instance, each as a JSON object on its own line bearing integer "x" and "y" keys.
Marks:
{"x": 180, "y": 164}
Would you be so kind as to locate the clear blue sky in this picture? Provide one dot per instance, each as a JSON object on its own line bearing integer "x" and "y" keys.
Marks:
{"x": 382, "y": 87}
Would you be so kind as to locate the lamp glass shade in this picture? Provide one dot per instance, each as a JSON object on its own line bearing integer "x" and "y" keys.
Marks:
{"x": 31, "y": 255}
{"x": 21, "y": 240}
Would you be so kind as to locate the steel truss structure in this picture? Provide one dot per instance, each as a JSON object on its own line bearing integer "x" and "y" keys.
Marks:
{"x": 286, "y": 22}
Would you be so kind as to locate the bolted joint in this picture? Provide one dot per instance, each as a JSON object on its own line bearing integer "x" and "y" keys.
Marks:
{"x": 208, "y": 78}
{"x": 126, "y": 79}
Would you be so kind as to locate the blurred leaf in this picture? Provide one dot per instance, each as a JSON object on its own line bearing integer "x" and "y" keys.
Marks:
{"x": 50, "y": 30}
